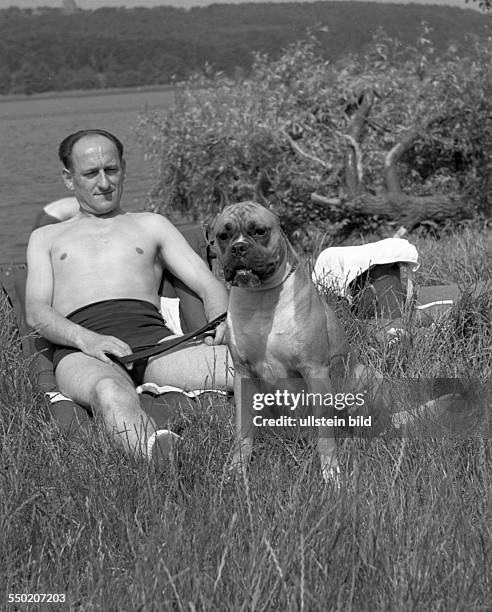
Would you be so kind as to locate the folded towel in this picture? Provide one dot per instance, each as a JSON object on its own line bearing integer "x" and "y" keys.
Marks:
{"x": 337, "y": 267}
{"x": 170, "y": 314}
{"x": 56, "y": 396}
{"x": 156, "y": 390}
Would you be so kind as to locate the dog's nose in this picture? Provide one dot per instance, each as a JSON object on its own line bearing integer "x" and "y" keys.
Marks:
{"x": 239, "y": 249}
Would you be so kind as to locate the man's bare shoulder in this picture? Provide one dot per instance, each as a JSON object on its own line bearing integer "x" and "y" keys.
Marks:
{"x": 155, "y": 222}
{"x": 149, "y": 217}
{"x": 46, "y": 233}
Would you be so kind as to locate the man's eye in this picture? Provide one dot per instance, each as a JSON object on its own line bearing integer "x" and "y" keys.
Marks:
{"x": 111, "y": 170}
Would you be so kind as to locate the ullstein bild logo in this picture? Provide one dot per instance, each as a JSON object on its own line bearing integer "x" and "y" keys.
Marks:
{"x": 312, "y": 421}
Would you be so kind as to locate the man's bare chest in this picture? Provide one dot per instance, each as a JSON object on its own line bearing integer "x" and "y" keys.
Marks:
{"x": 105, "y": 247}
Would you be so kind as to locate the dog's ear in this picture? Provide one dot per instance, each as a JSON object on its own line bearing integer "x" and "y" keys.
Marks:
{"x": 264, "y": 192}
{"x": 209, "y": 233}
{"x": 221, "y": 198}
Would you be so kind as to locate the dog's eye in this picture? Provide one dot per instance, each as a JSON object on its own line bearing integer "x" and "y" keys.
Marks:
{"x": 222, "y": 236}
{"x": 260, "y": 231}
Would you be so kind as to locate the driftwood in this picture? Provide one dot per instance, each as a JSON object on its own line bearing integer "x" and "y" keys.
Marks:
{"x": 409, "y": 211}
{"x": 413, "y": 210}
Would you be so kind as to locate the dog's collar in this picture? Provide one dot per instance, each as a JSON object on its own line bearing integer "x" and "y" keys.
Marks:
{"x": 293, "y": 268}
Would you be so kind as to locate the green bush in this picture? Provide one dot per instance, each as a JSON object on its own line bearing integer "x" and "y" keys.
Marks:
{"x": 222, "y": 133}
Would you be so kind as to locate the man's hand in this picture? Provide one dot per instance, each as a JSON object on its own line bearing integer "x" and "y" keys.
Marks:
{"x": 218, "y": 337}
{"x": 99, "y": 345}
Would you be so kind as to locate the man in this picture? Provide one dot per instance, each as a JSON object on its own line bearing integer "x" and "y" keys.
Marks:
{"x": 92, "y": 290}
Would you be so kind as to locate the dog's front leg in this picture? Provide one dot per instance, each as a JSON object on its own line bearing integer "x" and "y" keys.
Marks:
{"x": 319, "y": 386}
{"x": 245, "y": 429}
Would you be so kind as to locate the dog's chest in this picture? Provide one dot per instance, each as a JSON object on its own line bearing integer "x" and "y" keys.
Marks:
{"x": 261, "y": 330}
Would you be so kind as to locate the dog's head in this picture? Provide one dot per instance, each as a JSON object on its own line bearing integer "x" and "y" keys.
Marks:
{"x": 249, "y": 243}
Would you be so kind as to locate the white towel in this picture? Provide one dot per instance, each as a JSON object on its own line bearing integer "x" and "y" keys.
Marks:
{"x": 337, "y": 267}
{"x": 56, "y": 396}
{"x": 170, "y": 314}
{"x": 151, "y": 387}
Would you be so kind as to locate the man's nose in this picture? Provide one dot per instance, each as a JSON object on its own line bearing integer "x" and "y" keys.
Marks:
{"x": 102, "y": 179}
{"x": 239, "y": 248}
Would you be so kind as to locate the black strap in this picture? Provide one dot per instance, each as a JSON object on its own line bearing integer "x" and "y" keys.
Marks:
{"x": 167, "y": 345}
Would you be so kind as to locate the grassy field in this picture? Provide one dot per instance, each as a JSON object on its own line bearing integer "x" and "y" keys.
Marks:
{"x": 408, "y": 530}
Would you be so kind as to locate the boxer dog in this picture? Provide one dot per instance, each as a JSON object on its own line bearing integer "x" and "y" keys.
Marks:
{"x": 280, "y": 330}
{"x": 278, "y": 327}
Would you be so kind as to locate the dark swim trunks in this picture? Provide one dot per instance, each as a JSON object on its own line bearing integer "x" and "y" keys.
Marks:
{"x": 136, "y": 322}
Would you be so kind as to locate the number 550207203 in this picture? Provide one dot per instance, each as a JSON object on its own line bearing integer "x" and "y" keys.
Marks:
{"x": 37, "y": 597}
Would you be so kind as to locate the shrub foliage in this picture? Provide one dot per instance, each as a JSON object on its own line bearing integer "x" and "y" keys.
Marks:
{"x": 287, "y": 123}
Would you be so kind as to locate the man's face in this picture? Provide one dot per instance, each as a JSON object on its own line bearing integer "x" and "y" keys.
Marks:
{"x": 96, "y": 176}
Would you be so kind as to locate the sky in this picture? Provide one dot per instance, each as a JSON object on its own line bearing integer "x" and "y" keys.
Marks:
{"x": 93, "y": 4}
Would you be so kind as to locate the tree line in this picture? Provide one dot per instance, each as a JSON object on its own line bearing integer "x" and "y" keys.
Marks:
{"x": 47, "y": 49}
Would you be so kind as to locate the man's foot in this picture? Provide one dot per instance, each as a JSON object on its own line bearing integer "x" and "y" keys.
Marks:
{"x": 160, "y": 446}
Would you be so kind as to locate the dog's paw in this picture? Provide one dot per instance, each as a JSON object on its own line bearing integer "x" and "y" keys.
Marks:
{"x": 234, "y": 472}
{"x": 238, "y": 464}
{"x": 240, "y": 460}
{"x": 331, "y": 471}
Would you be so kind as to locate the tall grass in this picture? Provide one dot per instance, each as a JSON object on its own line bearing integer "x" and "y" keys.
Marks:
{"x": 463, "y": 257}
{"x": 408, "y": 529}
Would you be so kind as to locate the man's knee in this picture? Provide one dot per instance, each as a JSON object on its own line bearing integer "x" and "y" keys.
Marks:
{"x": 109, "y": 391}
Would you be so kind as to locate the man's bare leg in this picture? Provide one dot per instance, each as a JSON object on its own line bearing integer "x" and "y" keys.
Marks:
{"x": 195, "y": 366}
{"x": 110, "y": 392}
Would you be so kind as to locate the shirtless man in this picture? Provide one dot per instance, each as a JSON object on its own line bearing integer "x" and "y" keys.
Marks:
{"x": 92, "y": 290}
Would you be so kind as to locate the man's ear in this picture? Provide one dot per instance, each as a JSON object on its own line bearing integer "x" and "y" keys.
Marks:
{"x": 67, "y": 179}
{"x": 123, "y": 166}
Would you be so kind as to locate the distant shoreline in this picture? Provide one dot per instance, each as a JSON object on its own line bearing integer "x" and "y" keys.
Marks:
{"x": 77, "y": 93}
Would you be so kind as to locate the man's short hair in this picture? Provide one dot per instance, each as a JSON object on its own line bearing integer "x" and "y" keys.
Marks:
{"x": 66, "y": 146}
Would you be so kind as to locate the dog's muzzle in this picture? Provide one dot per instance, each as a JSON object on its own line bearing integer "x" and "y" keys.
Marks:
{"x": 243, "y": 275}
{"x": 240, "y": 249}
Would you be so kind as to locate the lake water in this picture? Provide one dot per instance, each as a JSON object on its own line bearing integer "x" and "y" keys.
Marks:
{"x": 30, "y": 132}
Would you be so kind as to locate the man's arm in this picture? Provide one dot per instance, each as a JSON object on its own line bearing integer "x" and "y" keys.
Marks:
{"x": 42, "y": 317}
{"x": 180, "y": 259}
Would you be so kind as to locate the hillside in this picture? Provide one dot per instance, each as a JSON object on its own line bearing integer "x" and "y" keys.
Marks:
{"x": 46, "y": 49}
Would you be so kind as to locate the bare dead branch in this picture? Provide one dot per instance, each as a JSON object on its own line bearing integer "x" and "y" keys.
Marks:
{"x": 359, "y": 117}
{"x": 400, "y": 232}
{"x": 353, "y": 156}
{"x": 306, "y": 155}
{"x": 319, "y": 199}
{"x": 357, "y": 159}
{"x": 394, "y": 155}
